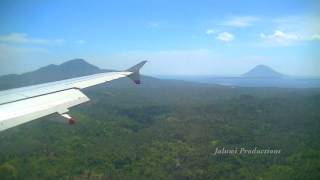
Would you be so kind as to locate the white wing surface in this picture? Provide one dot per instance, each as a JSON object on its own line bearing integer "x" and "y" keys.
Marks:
{"x": 21, "y": 105}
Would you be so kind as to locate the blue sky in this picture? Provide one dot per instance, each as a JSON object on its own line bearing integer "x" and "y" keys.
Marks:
{"x": 203, "y": 37}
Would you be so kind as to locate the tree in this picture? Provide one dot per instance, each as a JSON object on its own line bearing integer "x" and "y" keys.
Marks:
{"x": 8, "y": 172}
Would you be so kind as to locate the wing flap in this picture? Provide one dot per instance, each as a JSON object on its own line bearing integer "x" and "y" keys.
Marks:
{"x": 13, "y": 114}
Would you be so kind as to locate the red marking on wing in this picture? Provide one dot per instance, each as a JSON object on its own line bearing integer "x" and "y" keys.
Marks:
{"x": 72, "y": 121}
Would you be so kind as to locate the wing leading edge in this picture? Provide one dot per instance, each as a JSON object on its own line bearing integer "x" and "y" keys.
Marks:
{"x": 21, "y": 105}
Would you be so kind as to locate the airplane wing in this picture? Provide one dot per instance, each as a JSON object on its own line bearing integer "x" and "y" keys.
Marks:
{"x": 21, "y": 105}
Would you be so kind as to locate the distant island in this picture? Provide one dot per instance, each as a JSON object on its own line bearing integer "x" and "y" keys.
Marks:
{"x": 259, "y": 76}
{"x": 262, "y": 71}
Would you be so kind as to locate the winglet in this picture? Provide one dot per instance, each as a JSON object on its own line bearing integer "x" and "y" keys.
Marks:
{"x": 135, "y": 76}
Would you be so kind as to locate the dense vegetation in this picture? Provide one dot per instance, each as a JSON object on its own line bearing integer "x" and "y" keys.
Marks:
{"x": 170, "y": 131}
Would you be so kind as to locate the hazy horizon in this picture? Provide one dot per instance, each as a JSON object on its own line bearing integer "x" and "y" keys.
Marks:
{"x": 177, "y": 76}
{"x": 177, "y": 38}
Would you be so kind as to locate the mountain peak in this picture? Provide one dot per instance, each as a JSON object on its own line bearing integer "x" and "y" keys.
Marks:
{"x": 263, "y": 66}
{"x": 75, "y": 66}
{"x": 262, "y": 71}
{"x": 68, "y": 69}
{"x": 77, "y": 62}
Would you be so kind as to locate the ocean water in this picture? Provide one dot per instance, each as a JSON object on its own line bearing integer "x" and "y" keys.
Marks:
{"x": 285, "y": 82}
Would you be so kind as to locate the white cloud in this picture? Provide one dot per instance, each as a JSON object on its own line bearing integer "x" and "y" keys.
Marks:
{"x": 17, "y": 59}
{"x": 287, "y": 38}
{"x": 210, "y": 31}
{"x": 280, "y": 36}
{"x": 307, "y": 27}
{"x": 315, "y": 37}
{"x": 225, "y": 37}
{"x": 262, "y": 35}
{"x": 21, "y": 38}
{"x": 153, "y": 24}
{"x": 81, "y": 42}
{"x": 241, "y": 21}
